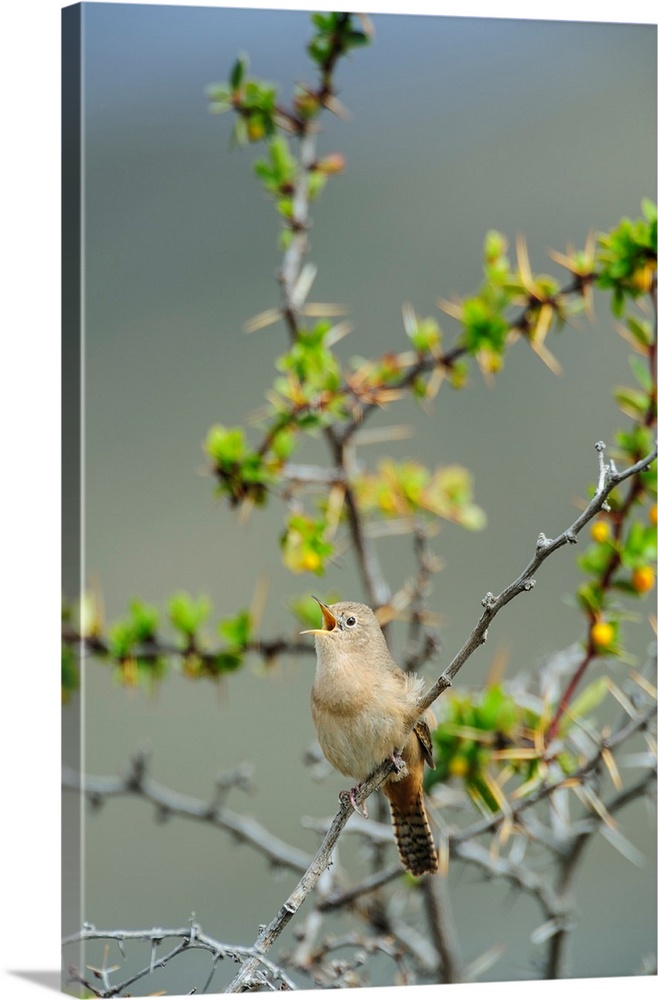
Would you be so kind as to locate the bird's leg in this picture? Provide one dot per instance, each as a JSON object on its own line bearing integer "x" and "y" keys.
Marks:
{"x": 351, "y": 795}
{"x": 398, "y": 761}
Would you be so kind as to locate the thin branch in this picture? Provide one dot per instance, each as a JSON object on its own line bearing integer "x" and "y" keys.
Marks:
{"x": 155, "y": 648}
{"x": 428, "y": 363}
{"x": 555, "y": 961}
{"x": 191, "y": 937}
{"x": 442, "y": 928}
{"x": 422, "y": 643}
{"x": 169, "y": 803}
{"x": 525, "y": 582}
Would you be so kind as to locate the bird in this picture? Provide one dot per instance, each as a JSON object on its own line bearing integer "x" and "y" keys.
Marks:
{"x": 365, "y": 711}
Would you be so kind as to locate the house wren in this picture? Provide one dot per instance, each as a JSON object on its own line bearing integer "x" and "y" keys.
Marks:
{"x": 364, "y": 709}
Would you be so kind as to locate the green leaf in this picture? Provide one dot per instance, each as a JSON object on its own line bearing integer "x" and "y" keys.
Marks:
{"x": 186, "y": 614}
{"x": 641, "y": 372}
{"x": 121, "y": 639}
{"x": 426, "y": 335}
{"x": 636, "y": 442}
{"x": 632, "y": 402}
{"x": 640, "y": 330}
{"x": 228, "y": 660}
{"x": 497, "y": 711}
{"x": 219, "y": 97}
{"x": 239, "y": 69}
{"x": 240, "y": 136}
{"x": 70, "y": 673}
{"x": 283, "y": 444}
{"x": 356, "y": 39}
{"x": 236, "y": 631}
{"x": 590, "y": 597}
{"x": 617, "y": 304}
{"x": 226, "y": 445}
{"x": 143, "y": 620}
{"x": 595, "y": 561}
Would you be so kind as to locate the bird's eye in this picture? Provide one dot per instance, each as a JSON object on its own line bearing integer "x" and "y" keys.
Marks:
{"x": 350, "y": 621}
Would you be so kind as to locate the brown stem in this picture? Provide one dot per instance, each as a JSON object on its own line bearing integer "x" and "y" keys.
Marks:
{"x": 568, "y": 694}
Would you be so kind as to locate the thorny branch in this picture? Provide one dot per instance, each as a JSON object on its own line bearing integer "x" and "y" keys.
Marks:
{"x": 169, "y": 803}
{"x": 191, "y": 938}
{"x": 609, "y": 479}
{"x": 555, "y": 902}
{"x": 268, "y": 649}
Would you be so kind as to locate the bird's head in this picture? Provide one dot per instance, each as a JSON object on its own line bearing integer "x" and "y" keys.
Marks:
{"x": 348, "y": 627}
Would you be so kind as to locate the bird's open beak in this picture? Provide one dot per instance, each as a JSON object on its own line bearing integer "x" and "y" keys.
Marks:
{"x": 329, "y": 621}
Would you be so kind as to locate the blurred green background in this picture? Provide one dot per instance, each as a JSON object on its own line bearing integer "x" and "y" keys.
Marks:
{"x": 456, "y": 126}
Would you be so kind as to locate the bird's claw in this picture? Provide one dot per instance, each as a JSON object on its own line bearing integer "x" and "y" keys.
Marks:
{"x": 351, "y": 796}
{"x": 398, "y": 761}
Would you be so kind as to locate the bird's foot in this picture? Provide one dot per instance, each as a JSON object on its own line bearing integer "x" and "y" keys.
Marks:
{"x": 351, "y": 796}
{"x": 398, "y": 761}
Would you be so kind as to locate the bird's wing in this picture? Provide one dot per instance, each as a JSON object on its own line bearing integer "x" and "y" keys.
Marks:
{"x": 422, "y": 731}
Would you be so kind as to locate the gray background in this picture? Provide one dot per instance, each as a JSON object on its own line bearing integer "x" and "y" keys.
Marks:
{"x": 456, "y": 126}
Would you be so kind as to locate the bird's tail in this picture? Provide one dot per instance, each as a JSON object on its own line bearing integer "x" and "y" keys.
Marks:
{"x": 411, "y": 827}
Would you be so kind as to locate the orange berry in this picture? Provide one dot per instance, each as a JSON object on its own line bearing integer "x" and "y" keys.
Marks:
{"x": 643, "y": 579}
{"x": 653, "y": 514}
{"x": 600, "y": 531}
{"x": 602, "y": 634}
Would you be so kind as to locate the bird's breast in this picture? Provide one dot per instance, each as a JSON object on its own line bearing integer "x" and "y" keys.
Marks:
{"x": 360, "y": 720}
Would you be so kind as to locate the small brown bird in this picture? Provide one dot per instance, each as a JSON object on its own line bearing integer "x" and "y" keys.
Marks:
{"x": 364, "y": 710}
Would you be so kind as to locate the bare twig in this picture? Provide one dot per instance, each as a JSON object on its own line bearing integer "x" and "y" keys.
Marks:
{"x": 191, "y": 937}
{"x": 442, "y": 928}
{"x": 170, "y": 803}
{"x": 555, "y": 961}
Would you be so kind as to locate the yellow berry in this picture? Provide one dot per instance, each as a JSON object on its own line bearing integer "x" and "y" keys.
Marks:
{"x": 642, "y": 278}
{"x": 600, "y": 531}
{"x": 643, "y": 579}
{"x": 310, "y": 561}
{"x": 255, "y": 130}
{"x": 602, "y": 634}
{"x": 458, "y": 766}
{"x": 653, "y": 514}
{"x": 387, "y": 503}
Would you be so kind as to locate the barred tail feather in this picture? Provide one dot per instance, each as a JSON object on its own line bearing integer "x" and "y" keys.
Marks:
{"x": 413, "y": 835}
